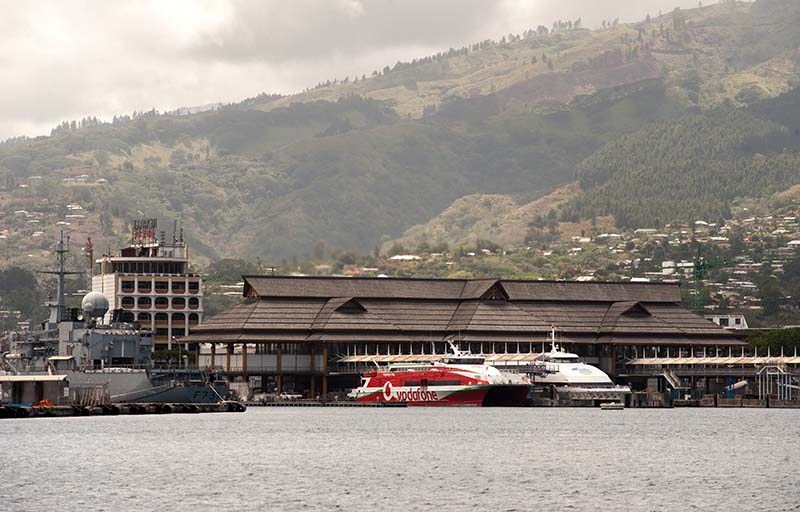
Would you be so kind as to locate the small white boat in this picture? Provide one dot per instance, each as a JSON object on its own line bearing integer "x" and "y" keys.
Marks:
{"x": 612, "y": 406}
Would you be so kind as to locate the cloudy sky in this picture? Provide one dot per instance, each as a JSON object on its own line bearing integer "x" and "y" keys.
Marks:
{"x": 63, "y": 60}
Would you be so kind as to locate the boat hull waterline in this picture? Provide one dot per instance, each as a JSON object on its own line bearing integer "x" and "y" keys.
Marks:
{"x": 479, "y": 395}
{"x": 442, "y": 384}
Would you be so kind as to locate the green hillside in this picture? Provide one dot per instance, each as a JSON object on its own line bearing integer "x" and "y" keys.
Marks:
{"x": 355, "y": 163}
{"x": 694, "y": 167}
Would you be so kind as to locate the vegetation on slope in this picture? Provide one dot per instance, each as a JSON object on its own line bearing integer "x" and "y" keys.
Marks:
{"x": 354, "y": 163}
{"x": 693, "y": 167}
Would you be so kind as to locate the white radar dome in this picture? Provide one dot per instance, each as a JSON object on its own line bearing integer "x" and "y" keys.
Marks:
{"x": 94, "y": 304}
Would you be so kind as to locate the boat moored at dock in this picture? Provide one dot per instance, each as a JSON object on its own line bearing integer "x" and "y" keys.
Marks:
{"x": 77, "y": 358}
{"x": 570, "y": 379}
{"x": 460, "y": 379}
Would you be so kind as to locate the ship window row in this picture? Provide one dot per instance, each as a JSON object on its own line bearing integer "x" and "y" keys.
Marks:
{"x": 147, "y": 286}
{"x": 160, "y": 302}
{"x": 416, "y": 383}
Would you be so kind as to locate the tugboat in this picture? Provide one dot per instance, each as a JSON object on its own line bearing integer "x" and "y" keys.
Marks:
{"x": 458, "y": 379}
{"x": 99, "y": 362}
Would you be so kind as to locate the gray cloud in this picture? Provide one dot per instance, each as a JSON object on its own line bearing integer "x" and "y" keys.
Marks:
{"x": 315, "y": 31}
{"x": 66, "y": 60}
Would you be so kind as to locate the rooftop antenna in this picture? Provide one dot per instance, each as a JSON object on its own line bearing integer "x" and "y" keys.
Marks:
{"x": 175, "y": 231}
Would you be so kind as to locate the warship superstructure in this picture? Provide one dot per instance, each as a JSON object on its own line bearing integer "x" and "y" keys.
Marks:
{"x": 108, "y": 360}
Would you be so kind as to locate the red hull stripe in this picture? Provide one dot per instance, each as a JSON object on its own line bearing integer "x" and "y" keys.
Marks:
{"x": 468, "y": 396}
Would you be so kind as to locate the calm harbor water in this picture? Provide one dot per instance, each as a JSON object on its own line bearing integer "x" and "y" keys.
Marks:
{"x": 406, "y": 459}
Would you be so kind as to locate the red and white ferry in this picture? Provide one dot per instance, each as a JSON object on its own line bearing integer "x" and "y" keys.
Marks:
{"x": 459, "y": 379}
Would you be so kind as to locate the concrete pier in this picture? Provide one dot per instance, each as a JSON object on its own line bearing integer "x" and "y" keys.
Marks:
{"x": 318, "y": 403}
{"x": 63, "y": 411}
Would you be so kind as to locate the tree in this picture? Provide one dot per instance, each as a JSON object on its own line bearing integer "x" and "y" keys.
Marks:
{"x": 320, "y": 250}
{"x": 231, "y": 270}
{"x": 775, "y": 340}
{"x": 791, "y": 270}
{"x": 396, "y": 248}
{"x": 102, "y": 157}
{"x": 771, "y": 297}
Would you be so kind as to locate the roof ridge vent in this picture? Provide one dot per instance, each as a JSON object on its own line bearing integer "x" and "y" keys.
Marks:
{"x": 349, "y": 305}
{"x": 635, "y": 309}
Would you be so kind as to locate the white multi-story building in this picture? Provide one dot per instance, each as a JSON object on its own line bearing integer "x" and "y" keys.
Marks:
{"x": 150, "y": 283}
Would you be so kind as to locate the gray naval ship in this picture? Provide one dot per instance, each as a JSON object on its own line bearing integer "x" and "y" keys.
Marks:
{"x": 102, "y": 362}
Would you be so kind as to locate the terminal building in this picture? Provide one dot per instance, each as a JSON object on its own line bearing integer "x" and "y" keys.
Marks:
{"x": 304, "y": 333}
{"x": 149, "y": 283}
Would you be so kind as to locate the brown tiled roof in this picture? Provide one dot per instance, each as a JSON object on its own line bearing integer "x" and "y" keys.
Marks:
{"x": 414, "y": 315}
{"x": 592, "y": 291}
{"x": 357, "y": 287}
{"x": 569, "y": 317}
{"x": 385, "y": 310}
{"x": 489, "y": 316}
{"x": 234, "y": 318}
{"x": 479, "y": 288}
{"x": 444, "y": 289}
{"x": 334, "y": 317}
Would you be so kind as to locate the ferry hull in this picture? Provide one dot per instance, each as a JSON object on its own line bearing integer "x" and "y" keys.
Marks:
{"x": 473, "y": 396}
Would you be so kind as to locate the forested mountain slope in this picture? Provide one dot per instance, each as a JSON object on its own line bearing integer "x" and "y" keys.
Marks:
{"x": 694, "y": 167}
{"x": 353, "y": 164}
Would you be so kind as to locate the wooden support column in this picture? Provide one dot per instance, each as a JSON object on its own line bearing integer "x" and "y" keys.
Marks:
{"x": 213, "y": 354}
{"x": 228, "y": 353}
{"x": 311, "y": 370}
{"x": 613, "y": 371}
{"x": 279, "y": 369}
{"x": 324, "y": 369}
{"x": 244, "y": 362}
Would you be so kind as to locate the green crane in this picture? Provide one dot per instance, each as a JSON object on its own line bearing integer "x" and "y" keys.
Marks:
{"x": 700, "y": 273}
{"x": 700, "y": 269}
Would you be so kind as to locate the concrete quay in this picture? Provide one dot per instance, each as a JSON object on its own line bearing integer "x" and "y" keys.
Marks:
{"x": 64, "y": 411}
{"x": 319, "y": 403}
